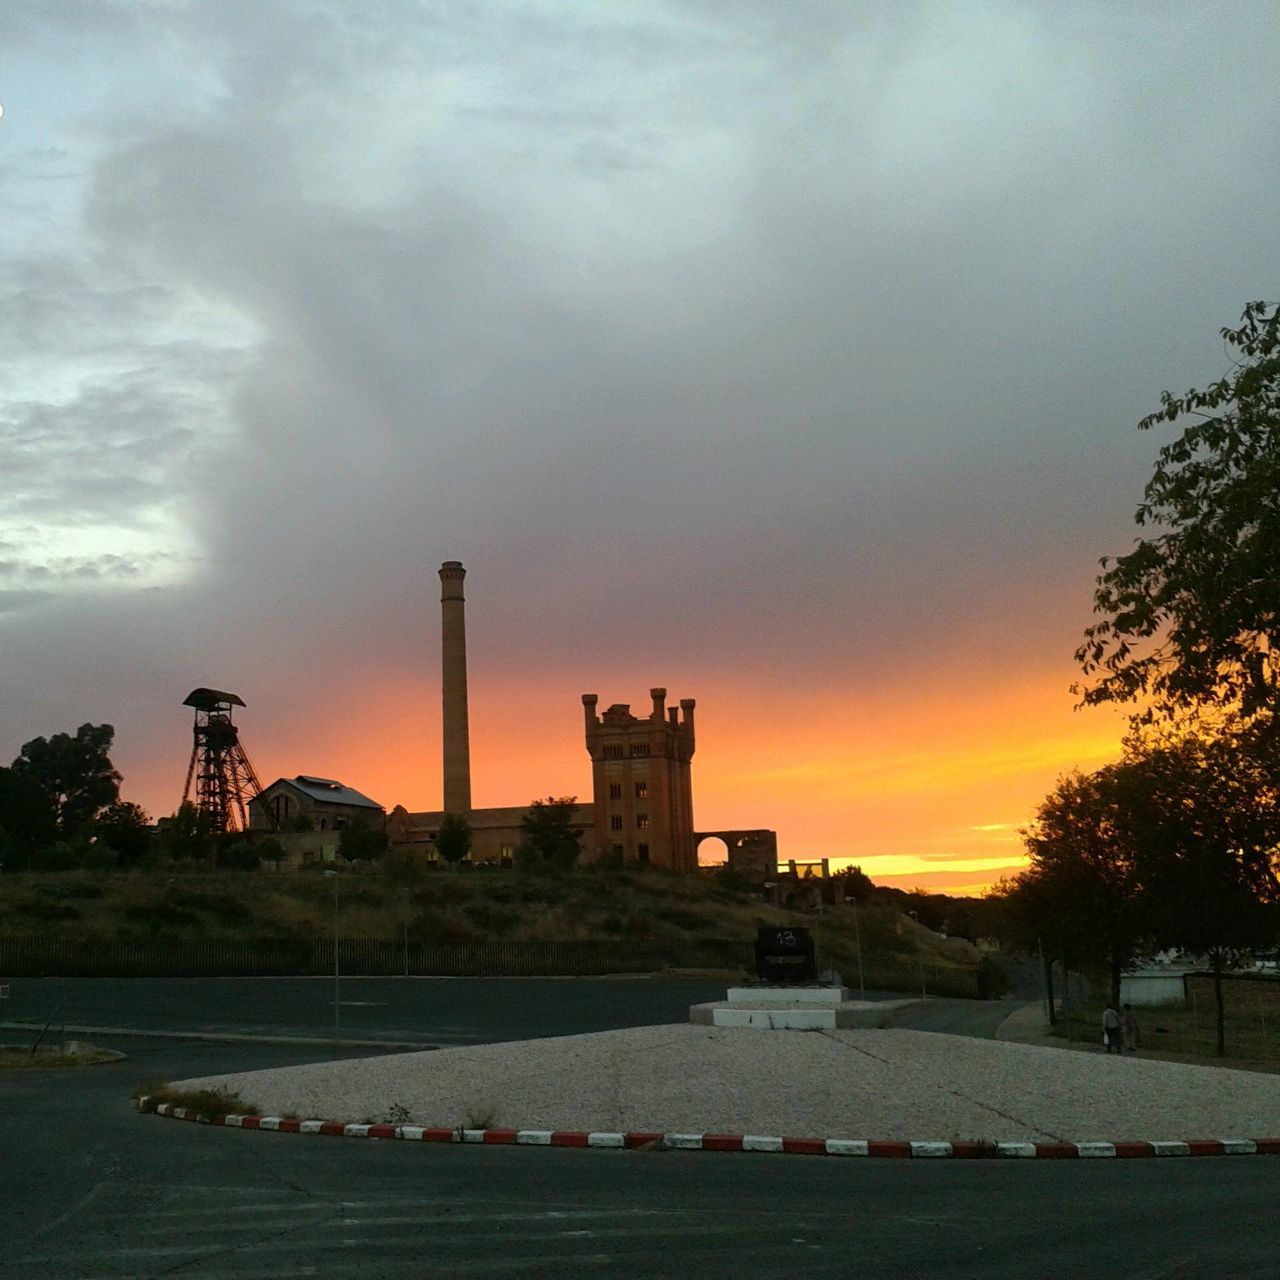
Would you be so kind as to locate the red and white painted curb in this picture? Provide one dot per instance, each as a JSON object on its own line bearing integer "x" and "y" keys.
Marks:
{"x": 737, "y": 1142}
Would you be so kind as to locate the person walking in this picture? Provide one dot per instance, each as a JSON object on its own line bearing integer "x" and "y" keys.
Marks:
{"x": 1129, "y": 1028}
{"x": 1111, "y": 1032}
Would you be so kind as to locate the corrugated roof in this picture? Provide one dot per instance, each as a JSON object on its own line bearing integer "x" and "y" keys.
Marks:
{"x": 327, "y": 791}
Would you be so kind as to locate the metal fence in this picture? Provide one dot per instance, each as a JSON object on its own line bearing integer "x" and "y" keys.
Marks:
{"x": 41, "y": 957}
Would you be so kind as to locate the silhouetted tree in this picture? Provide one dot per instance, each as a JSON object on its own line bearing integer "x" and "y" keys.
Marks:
{"x": 239, "y": 855}
{"x": 74, "y": 773}
{"x": 548, "y": 832}
{"x": 269, "y": 849}
{"x": 27, "y": 821}
{"x": 1086, "y": 865}
{"x": 1192, "y": 614}
{"x": 125, "y": 829}
{"x": 360, "y": 840}
{"x": 453, "y": 839}
{"x": 853, "y": 882}
{"x": 1211, "y": 843}
{"x": 186, "y": 836}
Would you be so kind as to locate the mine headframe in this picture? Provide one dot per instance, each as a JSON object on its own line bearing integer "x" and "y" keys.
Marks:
{"x": 223, "y": 779}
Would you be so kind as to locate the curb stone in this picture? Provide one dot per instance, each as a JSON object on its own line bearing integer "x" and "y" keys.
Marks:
{"x": 927, "y": 1150}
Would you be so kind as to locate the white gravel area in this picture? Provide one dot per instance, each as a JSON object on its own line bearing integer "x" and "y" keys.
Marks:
{"x": 881, "y": 1084}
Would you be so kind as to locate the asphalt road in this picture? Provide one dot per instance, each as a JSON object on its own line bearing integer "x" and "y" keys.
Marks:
{"x": 88, "y": 1188}
{"x": 426, "y": 1011}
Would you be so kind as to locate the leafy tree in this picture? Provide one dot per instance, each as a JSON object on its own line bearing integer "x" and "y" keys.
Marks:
{"x": 74, "y": 773}
{"x": 239, "y": 855}
{"x": 853, "y": 882}
{"x": 1213, "y": 836}
{"x": 453, "y": 839}
{"x": 1086, "y": 865}
{"x": 548, "y": 833}
{"x": 27, "y": 821}
{"x": 186, "y": 836}
{"x": 269, "y": 849}
{"x": 124, "y": 828}
{"x": 359, "y": 840}
{"x": 1192, "y": 614}
{"x": 1025, "y": 913}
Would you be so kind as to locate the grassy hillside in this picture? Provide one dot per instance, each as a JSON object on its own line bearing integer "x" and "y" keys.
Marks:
{"x": 456, "y": 906}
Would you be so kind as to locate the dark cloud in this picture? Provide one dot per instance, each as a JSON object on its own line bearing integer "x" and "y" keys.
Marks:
{"x": 792, "y": 338}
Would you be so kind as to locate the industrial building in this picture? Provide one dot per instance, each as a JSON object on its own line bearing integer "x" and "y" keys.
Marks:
{"x": 641, "y": 807}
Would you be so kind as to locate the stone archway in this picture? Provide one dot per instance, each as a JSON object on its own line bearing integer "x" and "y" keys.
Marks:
{"x": 712, "y": 851}
{"x": 753, "y": 853}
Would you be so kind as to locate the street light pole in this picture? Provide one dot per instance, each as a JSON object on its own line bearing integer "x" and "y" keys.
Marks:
{"x": 336, "y": 972}
{"x": 857, "y": 942}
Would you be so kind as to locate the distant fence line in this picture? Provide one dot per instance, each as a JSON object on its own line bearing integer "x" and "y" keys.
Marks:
{"x": 286, "y": 957}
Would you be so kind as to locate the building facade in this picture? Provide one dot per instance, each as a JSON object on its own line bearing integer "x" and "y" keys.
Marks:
{"x": 642, "y": 793}
{"x": 325, "y": 803}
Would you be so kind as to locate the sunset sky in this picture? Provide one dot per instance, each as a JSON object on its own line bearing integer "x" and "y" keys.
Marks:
{"x": 788, "y": 355}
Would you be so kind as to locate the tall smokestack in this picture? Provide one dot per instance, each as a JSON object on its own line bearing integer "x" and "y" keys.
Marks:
{"x": 453, "y": 647}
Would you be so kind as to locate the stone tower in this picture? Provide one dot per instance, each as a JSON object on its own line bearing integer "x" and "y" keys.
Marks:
{"x": 453, "y": 649}
{"x": 640, "y": 773}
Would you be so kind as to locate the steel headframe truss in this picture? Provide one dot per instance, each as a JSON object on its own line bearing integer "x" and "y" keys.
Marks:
{"x": 224, "y": 779}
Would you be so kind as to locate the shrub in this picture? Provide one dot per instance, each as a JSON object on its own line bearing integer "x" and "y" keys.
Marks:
{"x": 208, "y": 1104}
{"x": 240, "y": 856}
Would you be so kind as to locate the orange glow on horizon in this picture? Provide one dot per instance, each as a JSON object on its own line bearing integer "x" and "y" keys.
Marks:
{"x": 919, "y": 787}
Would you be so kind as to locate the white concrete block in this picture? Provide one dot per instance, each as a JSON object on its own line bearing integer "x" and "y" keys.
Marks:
{"x": 787, "y": 997}
{"x": 1238, "y": 1147}
{"x": 776, "y": 1019}
{"x": 846, "y": 1147}
{"x": 1096, "y": 1150}
{"x": 930, "y": 1150}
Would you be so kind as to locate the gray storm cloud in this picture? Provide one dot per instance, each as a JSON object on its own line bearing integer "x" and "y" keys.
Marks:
{"x": 711, "y": 334}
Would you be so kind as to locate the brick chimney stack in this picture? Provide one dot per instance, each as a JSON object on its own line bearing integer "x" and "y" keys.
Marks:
{"x": 453, "y": 648}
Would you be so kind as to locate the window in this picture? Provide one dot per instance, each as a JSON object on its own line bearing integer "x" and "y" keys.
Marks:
{"x": 615, "y": 823}
{"x": 613, "y": 751}
{"x": 642, "y": 822}
{"x": 642, "y": 790}
{"x": 639, "y": 750}
{"x": 282, "y": 810}
{"x": 617, "y": 851}
{"x": 322, "y": 823}
{"x": 642, "y": 852}
{"x": 615, "y": 791}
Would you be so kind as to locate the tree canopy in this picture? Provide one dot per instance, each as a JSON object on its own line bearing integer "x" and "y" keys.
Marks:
{"x": 1175, "y": 845}
{"x": 74, "y": 774}
{"x": 453, "y": 839}
{"x": 125, "y": 829}
{"x": 549, "y": 833}
{"x": 361, "y": 840}
{"x": 1192, "y": 614}
{"x": 1084, "y": 884}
